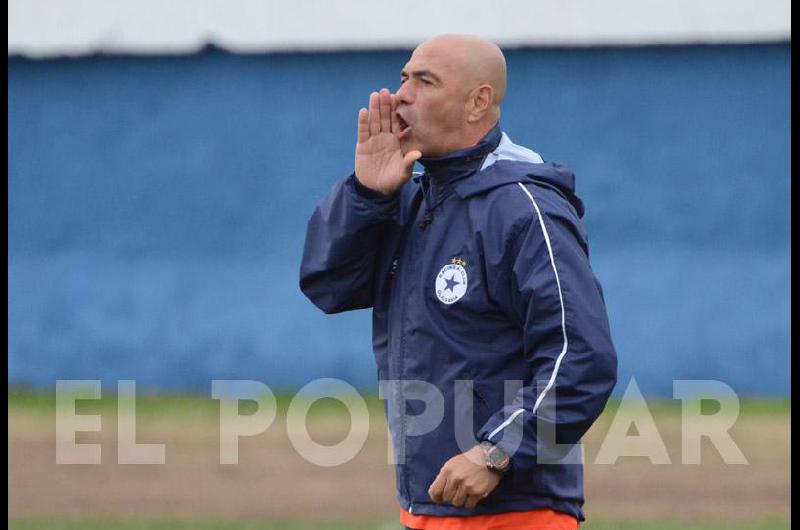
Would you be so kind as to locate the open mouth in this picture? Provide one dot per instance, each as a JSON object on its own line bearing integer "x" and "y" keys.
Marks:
{"x": 403, "y": 126}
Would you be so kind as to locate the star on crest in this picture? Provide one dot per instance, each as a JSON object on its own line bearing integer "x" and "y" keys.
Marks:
{"x": 451, "y": 283}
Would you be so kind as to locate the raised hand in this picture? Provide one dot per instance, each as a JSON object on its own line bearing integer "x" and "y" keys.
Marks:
{"x": 380, "y": 163}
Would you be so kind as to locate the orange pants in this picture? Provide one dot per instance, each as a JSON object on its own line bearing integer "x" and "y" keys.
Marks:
{"x": 543, "y": 519}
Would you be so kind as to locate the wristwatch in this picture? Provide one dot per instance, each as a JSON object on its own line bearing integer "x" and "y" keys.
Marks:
{"x": 495, "y": 458}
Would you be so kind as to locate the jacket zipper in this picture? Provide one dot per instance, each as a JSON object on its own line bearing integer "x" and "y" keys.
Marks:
{"x": 426, "y": 221}
{"x": 400, "y": 372}
{"x": 411, "y": 272}
{"x": 431, "y": 202}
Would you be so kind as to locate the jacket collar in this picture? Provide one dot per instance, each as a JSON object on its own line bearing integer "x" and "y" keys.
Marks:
{"x": 553, "y": 175}
{"x": 462, "y": 163}
{"x": 456, "y": 166}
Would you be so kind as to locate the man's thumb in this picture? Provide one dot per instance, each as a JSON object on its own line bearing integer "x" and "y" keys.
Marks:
{"x": 411, "y": 157}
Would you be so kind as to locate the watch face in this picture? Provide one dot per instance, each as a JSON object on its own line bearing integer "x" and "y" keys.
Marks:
{"x": 495, "y": 456}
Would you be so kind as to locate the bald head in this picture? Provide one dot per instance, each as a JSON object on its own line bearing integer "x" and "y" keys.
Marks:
{"x": 476, "y": 61}
{"x": 452, "y": 89}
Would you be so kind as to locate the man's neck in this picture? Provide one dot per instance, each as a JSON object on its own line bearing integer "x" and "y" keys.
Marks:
{"x": 476, "y": 135}
{"x": 461, "y": 162}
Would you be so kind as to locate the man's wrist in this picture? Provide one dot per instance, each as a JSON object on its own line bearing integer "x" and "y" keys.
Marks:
{"x": 495, "y": 458}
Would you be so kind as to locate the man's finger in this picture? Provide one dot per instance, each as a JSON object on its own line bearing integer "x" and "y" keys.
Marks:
{"x": 386, "y": 110}
{"x": 472, "y": 501}
{"x": 374, "y": 114}
{"x": 460, "y": 496}
{"x": 450, "y": 489}
{"x": 435, "y": 491}
{"x": 411, "y": 157}
{"x": 395, "y": 121}
{"x": 363, "y": 125}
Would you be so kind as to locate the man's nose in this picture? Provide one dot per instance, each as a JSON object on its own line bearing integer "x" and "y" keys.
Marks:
{"x": 404, "y": 94}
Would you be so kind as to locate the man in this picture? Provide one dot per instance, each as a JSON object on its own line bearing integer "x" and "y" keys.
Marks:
{"x": 478, "y": 275}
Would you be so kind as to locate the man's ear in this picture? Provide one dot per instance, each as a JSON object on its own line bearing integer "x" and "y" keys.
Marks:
{"x": 480, "y": 101}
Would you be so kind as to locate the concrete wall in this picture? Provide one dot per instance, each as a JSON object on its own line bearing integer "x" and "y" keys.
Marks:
{"x": 157, "y": 208}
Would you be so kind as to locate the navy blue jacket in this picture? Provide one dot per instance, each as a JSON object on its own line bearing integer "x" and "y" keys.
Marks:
{"x": 477, "y": 271}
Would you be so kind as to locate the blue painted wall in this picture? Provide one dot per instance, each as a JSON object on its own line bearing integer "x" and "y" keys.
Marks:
{"x": 157, "y": 208}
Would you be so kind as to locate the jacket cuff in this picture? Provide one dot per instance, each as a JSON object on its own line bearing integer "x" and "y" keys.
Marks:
{"x": 370, "y": 194}
{"x": 520, "y": 451}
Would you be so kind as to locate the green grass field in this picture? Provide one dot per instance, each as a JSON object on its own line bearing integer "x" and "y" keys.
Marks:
{"x": 286, "y": 524}
{"x": 192, "y": 492}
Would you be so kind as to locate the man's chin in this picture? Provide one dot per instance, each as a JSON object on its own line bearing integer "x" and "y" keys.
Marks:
{"x": 409, "y": 144}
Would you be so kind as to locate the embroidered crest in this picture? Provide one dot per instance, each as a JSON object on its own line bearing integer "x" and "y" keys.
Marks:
{"x": 451, "y": 282}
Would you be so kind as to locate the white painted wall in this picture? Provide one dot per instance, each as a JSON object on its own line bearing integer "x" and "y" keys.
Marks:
{"x": 42, "y": 28}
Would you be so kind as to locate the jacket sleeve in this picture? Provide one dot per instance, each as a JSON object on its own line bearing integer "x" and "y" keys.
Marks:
{"x": 342, "y": 244}
{"x": 552, "y": 292}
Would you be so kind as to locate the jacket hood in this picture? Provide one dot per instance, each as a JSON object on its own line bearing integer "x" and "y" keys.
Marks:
{"x": 553, "y": 175}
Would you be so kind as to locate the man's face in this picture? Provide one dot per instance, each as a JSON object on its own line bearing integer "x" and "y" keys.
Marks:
{"x": 431, "y": 103}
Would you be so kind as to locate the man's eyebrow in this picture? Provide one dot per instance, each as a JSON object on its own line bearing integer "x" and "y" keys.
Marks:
{"x": 421, "y": 73}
